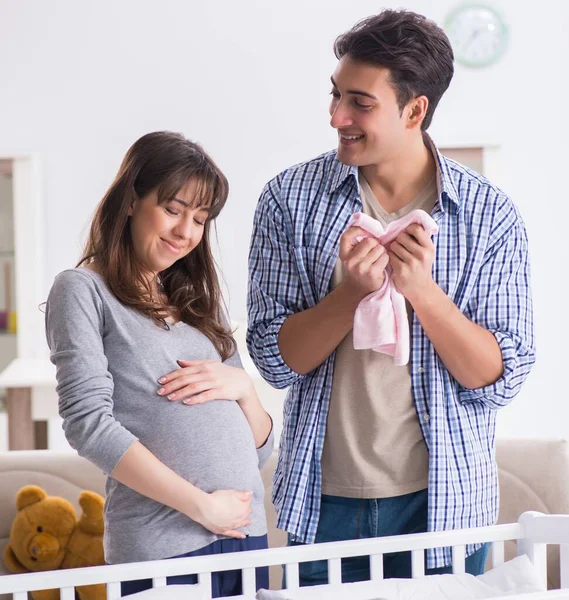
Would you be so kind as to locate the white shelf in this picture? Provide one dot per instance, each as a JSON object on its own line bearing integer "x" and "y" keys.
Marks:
{"x": 28, "y": 372}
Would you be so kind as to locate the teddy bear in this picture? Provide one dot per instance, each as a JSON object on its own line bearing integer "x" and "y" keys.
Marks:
{"x": 46, "y": 536}
{"x": 85, "y": 547}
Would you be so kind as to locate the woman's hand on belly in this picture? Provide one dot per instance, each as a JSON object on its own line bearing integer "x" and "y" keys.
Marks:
{"x": 225, "y": 512}
{"x": 199, "y": 381}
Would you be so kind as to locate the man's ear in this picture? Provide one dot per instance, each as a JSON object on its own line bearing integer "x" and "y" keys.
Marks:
{"x": 417, "y": 111}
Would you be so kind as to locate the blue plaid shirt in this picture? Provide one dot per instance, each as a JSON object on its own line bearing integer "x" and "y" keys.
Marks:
{"x": 481, "y": 263}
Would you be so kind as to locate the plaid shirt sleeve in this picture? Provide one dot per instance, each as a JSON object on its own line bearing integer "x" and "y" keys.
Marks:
{"x": 502, "y": 304}
{"x": 274, "y": 291}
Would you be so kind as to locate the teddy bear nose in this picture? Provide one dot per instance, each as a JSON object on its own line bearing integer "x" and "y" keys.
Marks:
{"x": 44, "y": 547}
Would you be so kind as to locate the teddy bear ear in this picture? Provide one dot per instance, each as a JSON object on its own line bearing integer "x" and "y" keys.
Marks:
{"x": 28, "y": 495}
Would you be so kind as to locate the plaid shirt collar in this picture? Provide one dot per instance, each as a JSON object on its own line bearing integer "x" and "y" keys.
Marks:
{"x": 445, "y": 183}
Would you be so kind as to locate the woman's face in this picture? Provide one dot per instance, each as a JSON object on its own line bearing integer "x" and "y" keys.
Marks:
{"x": 163, "y": 234}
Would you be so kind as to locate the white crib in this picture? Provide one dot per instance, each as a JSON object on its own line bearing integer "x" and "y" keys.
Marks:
{"x": 533, "y": 532}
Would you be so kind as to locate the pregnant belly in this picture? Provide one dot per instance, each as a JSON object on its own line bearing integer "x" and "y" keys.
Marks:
{"x": 210, "y": 445}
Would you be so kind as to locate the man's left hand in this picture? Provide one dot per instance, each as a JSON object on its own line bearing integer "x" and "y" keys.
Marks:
{"x": 411, "y": 257}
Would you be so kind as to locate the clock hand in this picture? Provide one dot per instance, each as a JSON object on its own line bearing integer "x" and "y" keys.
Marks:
{"x": 473, "y": 36}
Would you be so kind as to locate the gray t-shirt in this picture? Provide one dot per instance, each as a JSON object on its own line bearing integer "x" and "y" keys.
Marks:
{"x": 109, "y": 358}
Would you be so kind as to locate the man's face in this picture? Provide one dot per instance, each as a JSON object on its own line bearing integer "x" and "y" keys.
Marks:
{"x": 364, "y": 111}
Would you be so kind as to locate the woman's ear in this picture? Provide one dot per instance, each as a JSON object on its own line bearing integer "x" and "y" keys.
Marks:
{"x": 131, "y": 207}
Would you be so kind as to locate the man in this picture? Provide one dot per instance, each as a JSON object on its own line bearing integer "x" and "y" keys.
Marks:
{"x": 370, "y": 448}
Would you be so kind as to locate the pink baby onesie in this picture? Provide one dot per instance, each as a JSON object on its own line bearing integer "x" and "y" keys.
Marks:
{"x": 381, "y": 322}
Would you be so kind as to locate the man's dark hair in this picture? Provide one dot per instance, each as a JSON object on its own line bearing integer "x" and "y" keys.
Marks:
{"x": 416, "y": 51}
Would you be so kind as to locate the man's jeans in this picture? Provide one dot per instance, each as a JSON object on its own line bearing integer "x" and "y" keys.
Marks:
{"x": 352, "y": 519}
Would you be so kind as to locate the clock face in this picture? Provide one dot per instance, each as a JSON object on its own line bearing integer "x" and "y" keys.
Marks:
{"x": 477, "y": 33}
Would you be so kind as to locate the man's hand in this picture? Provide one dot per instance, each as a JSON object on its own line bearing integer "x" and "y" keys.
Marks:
{"x": 411, "y": 258}
{"x": 365, "y": 261}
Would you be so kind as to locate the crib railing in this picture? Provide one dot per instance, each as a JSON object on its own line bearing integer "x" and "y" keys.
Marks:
{"x": 532, "y": 532}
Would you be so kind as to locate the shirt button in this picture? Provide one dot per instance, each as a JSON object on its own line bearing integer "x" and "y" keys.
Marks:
{"x": 420, "y": 370}
{"x": 427, "y": 417}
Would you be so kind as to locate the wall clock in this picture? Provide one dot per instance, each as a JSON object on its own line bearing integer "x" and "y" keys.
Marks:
{"x": 478, "y": 34}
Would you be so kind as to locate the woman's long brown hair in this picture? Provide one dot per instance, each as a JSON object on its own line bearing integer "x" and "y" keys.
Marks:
{"x": 165, "y": 162}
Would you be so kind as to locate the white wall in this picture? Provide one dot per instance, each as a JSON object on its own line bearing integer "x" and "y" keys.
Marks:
{"x": 250, "y": 80}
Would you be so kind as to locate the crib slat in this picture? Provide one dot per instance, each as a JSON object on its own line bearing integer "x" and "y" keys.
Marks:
{"x": 376, "y": 567}
{"x": 114, "y": 590}
{"x": 417, "y": 563}
{"x": 204, "y": 581}
{"x": 335, "y": 571}
{"x": 291, "y": 575}
{"x": 497, "y": 554}
{"x": 67, "y": 593}
{"x": 159, "y": 582}
{"x": 249, "y": 583}
{"x": 458, "y": 557}
{"x": 528, "y": 544}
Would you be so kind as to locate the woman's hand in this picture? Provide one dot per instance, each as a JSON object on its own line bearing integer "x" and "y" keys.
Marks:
{"x": 199, "y": 381}
{"x": 224, "y": 512}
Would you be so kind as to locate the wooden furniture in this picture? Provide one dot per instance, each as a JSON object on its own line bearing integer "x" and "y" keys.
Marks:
{"x": 23, "y": 378}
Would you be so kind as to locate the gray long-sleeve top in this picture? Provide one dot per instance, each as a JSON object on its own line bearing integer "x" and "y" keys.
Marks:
{"x": 109, "y": 358}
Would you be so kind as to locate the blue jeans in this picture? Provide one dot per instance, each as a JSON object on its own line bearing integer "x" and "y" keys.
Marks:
{"x": 351, "y": 519}
{"x": 225, "y": 583}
